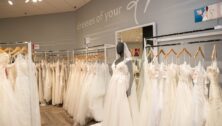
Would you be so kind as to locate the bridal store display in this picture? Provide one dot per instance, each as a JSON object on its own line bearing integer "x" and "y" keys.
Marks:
{"x": 18, "y": 89}
{"x": 117, "y": 108}
{"x": 181, "y": 95}
{"x": 52, "y": 81}
{"x": 86, "y": 90}
{"x": 76, "y": 82}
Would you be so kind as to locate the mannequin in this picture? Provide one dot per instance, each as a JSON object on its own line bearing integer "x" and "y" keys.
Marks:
{"x": 120, "y": 52}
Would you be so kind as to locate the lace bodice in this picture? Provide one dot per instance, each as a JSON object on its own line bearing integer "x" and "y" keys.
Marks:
{"x": 21, "y": 65}
{"x": 120, "y": 68}
{"x": 215, "y": 89}
{"x": 185, "y": 74}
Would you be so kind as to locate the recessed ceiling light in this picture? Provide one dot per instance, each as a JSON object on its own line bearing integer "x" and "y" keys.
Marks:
{"x": 10, "y": 2}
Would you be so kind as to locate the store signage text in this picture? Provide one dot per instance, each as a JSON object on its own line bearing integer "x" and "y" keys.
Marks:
{"x": 106, "y": 16}
{"x": 103, "y": 16}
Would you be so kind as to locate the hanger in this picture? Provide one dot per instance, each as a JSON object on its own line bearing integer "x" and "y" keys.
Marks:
{"x": 214, "y": 53}
{"x": 184, "y": 50}
{"x": 199, "y": 51}
{"x": 15, "y": 50}
{"x": 8, "y": 50}
{"x": 161, "y": 52}
{"x": 2, "y": 50}
{"x": 169, "y": 52}
{"x": 150, "y": 53}
{"x": 22, "y": 50}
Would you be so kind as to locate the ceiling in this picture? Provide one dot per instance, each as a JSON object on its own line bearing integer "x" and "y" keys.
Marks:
{"x": 20, "y": 8}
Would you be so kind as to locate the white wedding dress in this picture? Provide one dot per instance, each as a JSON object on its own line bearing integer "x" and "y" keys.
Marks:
{"x": 23, "y": 90}
{"x": 215, "y": 97}
{"x": 117, "y": 108}
{"x": 97, "y": 91}
{"x": 182, "y": 113}
{"x": 8, "y": 106}
{"x": 200, "y": 102}
{"x": 169, "y": 94}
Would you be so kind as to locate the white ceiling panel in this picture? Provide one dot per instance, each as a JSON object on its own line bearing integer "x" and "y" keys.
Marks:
{"x": 20, "y": 8}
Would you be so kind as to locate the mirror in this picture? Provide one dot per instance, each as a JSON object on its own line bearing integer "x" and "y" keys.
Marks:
{"x": 134, "y": 38}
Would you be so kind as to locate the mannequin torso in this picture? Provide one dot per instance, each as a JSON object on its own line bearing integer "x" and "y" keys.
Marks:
{"x": 120, "y": 52}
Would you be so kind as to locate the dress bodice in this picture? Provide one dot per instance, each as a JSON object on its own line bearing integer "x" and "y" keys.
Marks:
{"x": 21, "y": 65}
{"x": 215, "y": 89}
{"x": 172, "y": 72}
{"x": 4, "y": 59}
{"x": 120, "y": 68}
{"x": 213, "y": 73}
{"x": 185, "y": 73}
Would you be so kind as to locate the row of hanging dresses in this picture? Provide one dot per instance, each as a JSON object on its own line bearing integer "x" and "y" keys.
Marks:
{"x": 18, "y": 93}
{"x": 86, "y": 90}
{"x": 179, "y": 95}
{"x": 52, "y": 80}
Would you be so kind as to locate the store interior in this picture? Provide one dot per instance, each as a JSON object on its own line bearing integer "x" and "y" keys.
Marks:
{"x": 110, "y": 62}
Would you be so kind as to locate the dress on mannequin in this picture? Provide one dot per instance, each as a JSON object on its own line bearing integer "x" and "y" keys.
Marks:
{"x": 117, "y": 108}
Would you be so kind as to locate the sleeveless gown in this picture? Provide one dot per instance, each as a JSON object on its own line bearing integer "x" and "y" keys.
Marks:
{"x": 117, "y": 108}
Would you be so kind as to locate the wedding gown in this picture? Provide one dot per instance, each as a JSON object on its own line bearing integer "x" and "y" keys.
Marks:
{"x": 48, "y": 84}
{"x": 8, "y": 112}
{"x": 23, "y": 90}
{"x": 97, "y": 91}
{"x": 83, "y": 110}
{"x": 182, "y": 113}
{"x": 146, "y": 96}
{"x": 200, "y": 103}
{"x": 169, "y": 94}
{"x": 117, "y": 109}
{"x": 215, "y": 97}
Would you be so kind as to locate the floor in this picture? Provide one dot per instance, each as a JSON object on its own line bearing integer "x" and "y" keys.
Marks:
{"x": 56, "y": 116}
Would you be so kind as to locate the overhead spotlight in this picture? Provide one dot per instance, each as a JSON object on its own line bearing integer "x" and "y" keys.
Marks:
{"x": 10, "y": 2}
{"x": 33, "y": 1}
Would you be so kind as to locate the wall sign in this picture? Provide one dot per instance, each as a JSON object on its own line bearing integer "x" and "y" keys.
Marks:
{"x": 210, "y": 12}
{"x": 106, "y": 16}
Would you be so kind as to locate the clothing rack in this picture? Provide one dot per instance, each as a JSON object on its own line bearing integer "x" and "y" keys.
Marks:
{"x": 55, "y": 53}
{"x": 30, "y": 65}
{"x": 96, "y": 48}
{"x": 87, "y": 50}
{"x": 181, "y": 33}
{"x": 186, "y": 35}
{"x": 13, "y": 43}
{"x": 185, "y": 43}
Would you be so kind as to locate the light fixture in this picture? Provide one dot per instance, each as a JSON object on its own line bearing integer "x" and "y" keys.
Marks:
{"x": 26, "y": 1}
{"x": 34, "y": 1}
{"x": 10, "y": 2}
